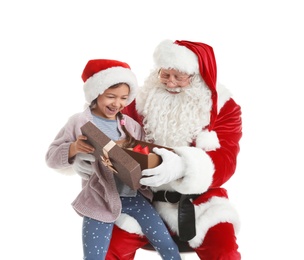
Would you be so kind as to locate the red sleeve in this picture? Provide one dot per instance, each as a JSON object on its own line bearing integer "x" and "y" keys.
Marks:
{"x": 131, "y": 111}
{"x": 228, "y": 127}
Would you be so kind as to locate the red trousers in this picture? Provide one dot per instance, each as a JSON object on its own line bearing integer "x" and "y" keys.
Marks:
{"x": 219, "y": 244}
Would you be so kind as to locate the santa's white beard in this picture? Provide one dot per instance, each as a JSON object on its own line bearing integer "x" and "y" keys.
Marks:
{"x": 174, "y": 120}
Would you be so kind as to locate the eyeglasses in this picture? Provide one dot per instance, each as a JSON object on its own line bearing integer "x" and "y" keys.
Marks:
{"x": 178, "y": 78}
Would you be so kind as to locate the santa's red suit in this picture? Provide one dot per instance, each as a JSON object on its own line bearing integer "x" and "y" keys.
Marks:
{"x": 203, "y": 125}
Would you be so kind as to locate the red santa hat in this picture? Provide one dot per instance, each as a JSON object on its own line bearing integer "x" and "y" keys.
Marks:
{"x": 100, "y": 74}
{"x": 191, "y": 58}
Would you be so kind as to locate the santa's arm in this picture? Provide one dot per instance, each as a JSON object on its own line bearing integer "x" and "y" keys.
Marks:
{"x": 212, "y": 160}
{"x": 131, "y": 111}
{"x": 229, "y": 131}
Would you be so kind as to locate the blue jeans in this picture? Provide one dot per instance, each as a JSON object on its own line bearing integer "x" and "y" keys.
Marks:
{"x": 96, "y": 235}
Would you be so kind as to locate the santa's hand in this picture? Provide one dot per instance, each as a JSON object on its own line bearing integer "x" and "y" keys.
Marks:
{"x": 82, "y": 165}
{"x": 170, "y": 169}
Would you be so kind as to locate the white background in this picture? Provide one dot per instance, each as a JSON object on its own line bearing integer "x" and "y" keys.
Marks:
{"x": 44, "y": 48}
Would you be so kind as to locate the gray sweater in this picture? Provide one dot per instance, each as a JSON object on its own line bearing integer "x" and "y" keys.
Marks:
{"x": 99, "y": 198}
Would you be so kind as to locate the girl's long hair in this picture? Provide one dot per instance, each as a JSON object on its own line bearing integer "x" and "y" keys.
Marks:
{"x": 130, "y": 140}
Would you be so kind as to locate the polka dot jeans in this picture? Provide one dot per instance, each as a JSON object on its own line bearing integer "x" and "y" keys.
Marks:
{"x": 96, "y": 235}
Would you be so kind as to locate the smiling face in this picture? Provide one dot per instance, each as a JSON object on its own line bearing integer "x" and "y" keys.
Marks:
{"x": 174, "y": 80}
{"x": 113, "y": 100}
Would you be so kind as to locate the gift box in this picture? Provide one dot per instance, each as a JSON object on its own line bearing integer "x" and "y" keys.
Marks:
{"x": 107, "y": 152}
{"x": 126, "y": 163}
{"x": 145, "y": 157}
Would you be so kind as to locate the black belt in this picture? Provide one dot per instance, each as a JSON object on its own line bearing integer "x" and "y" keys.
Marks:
{"x": 186, "y": 214}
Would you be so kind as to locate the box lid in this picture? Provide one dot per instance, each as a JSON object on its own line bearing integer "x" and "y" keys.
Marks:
{"x": 107, "y": 152}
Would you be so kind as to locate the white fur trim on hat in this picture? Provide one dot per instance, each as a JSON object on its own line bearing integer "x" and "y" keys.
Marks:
{"x": 169, "y": 55}
{"x": 104, "y": 79}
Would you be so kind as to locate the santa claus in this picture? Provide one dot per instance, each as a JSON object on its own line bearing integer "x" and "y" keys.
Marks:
{"x": 182, "y": 106}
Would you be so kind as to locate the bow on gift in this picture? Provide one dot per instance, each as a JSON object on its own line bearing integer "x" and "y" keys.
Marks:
{"x": 105, "y": 157}
{"x": 140, "y": 149}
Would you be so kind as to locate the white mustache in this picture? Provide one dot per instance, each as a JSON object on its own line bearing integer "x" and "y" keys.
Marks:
{"x": 177, "y": 90}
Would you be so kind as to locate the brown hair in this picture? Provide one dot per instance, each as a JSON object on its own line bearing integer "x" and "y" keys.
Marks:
{"x": 130, "y": 140}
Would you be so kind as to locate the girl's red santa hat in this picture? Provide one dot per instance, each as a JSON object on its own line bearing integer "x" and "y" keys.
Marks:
{"x": 100, "y": 74}
{"x": 191, "y": 58}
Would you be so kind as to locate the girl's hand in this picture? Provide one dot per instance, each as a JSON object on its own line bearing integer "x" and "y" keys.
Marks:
{"x": 80, "y": 146}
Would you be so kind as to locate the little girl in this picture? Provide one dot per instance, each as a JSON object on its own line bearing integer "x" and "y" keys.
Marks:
{"x": 109, "y": 86}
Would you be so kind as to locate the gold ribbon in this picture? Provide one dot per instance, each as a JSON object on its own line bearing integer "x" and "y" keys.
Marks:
{"x": 105, "y": 157}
